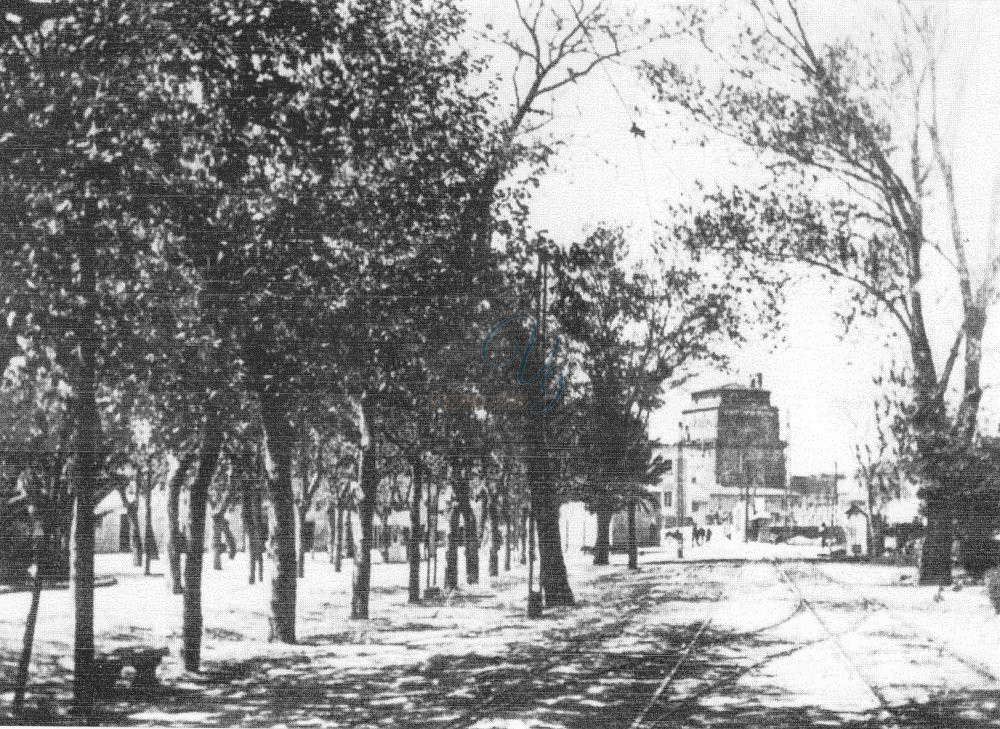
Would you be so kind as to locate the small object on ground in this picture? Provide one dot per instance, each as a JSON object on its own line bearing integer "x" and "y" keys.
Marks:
{"x": 137, "y": 665}
{"x": 992, "y": 580}
{"x": 904, "y": 578}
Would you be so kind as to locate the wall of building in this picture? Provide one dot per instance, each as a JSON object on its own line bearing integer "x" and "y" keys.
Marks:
{"x": 761, "y": 465}
{"x": 730, "y": 438}
{"x": 700, "y": 468}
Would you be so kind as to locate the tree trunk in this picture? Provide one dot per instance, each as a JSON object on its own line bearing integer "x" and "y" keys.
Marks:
{"x": 88, "y": 472}
{"x": 350, "y": 546}
{"x": 876, "y": 541}
{"x": 150, "y": 547}
{"x": 302, "y": 513}
{"x": 545, "y": 506}
{"x": 339, "y": 557}
{"x": 280, "y": 437}
{"x": 935, "y": 558}
{"x": 602, "y": 544}
{"x": 633, "y": 543}
{"x": 471, "y": 543}
{"x": 552, "y": 574}
{"x": 413, "y": 551}
{"x": 523, "y": 533}
{"x": 331, "y": 531}
{"x": 223, "y": 540}
{"x": 132, "y": 513}
{"x": 229, "y": 538}
{"x": 82, "y": 578}
{"x": 508, "y": 542}
{"x": 495, "y": 534}
{"x": 208, "y": 459}
{"x": 252, "y": 553}
{"x": 930, "y": 426}
{"x": 173, "y": 521}
{"x": 433, "y": 499}
{"x": 217, "y": 546}
{"x": 21, "y": 680}
{"x": 366, "y": 514}
{"x": 470, "y": 526}
{"x": 451, "y": 556}
{"x": 975, "y": 531}
{"x": 384, "y": 541}
{"x": 252, "y": 526}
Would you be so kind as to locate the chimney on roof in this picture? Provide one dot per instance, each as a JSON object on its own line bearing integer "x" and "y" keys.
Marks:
{"x": 760, "y": 381}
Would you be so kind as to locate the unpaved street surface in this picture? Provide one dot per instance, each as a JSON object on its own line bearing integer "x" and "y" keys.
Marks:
{"x": 714, "y": 643}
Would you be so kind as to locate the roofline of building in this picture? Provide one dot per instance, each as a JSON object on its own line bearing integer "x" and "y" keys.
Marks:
{"x": 731, "y": 387}
{"x": 712, "y": 443}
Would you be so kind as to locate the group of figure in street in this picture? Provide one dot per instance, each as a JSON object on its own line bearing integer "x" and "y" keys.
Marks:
{"x": 699, "y": 536}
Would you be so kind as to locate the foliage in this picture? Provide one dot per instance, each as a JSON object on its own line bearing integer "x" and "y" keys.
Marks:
{"x": 634, "y": 325}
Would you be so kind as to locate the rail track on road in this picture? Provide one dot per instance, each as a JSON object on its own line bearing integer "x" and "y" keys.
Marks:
{"x": 703, "y": 644}
{"x": 666, "y": 657}
{"x": 511, "y": 696}
{"x": 661, "y": 713}
{"x": 888, "y": 709}
{"x": 967, "y": 661}
{"x": 891, "y": 710}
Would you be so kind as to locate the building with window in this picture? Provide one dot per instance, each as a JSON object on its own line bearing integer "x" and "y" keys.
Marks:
{"x": 816, "y": 499}
{"x": 728, "y": 462}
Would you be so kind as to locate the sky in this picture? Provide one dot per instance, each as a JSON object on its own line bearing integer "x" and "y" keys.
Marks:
{"x": 819, "y": 379}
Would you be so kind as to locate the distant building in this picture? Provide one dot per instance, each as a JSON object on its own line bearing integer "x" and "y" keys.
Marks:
{"x": 815, "y": 500}
{"x": 729, "y": 462}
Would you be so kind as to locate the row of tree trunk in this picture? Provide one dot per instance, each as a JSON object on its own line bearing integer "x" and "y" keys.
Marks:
{"x": 289, "y": 565}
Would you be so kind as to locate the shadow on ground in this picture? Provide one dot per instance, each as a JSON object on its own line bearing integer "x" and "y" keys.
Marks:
{"x": 579, "y": 676}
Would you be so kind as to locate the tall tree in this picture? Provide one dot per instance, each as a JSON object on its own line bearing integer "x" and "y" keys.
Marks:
{"x": 553, "y": 45}
{"x": 636, "y": 318}
{"x": 80, "y": 118}
{"x": 849, "y": 138}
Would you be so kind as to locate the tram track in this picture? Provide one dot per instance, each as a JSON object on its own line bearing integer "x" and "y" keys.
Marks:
{"x": 667, "y": 715}
{"x": 889, "y": 712}
{"x": 970, "y": 663}
{"x": 591, "y": 647}
{"x": 592, "y": 663}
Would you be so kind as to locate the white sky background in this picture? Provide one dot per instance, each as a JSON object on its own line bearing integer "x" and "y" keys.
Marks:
{"x": 822, "y": 384}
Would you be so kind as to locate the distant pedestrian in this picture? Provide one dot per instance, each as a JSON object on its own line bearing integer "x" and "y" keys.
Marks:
{"x": 822, "y": 534}
{"x": 708, "y": 535}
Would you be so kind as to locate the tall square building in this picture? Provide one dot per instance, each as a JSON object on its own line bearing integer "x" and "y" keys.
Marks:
{"x": 729, "y": 461}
